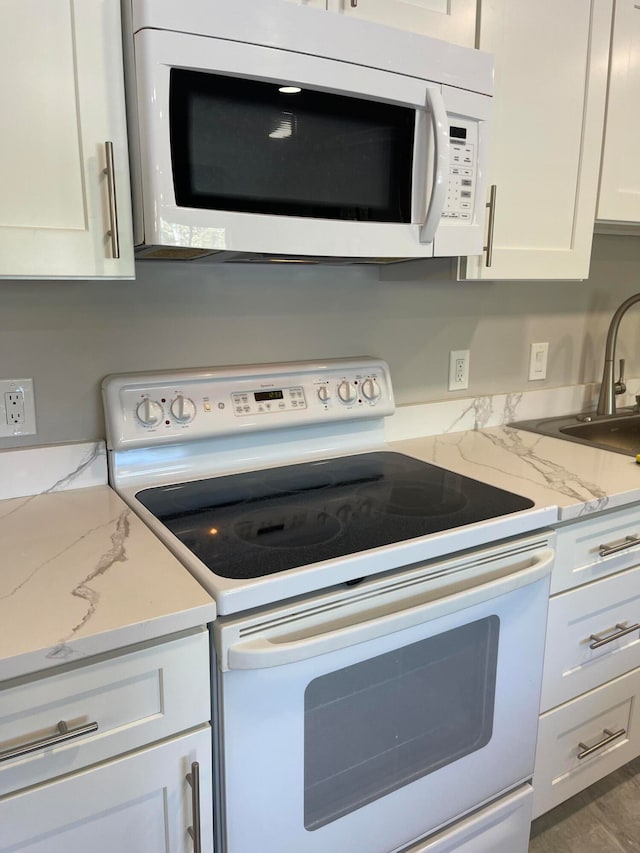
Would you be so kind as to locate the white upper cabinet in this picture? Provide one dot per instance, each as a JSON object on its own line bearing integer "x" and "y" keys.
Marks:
{"x": 62, "y": 98}
{"x": 546, "y": 135}
{"x": 451, "y": 20}
{"x": 619, "y": 199}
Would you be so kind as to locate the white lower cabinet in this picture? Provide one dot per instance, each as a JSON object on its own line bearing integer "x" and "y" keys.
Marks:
{"x": 593, "y": 636}
{"x": 95, "y": 756}
{"x": 586, "y": 739}
{"x": 591, "y": 679}
{"x": 140, "y": 803}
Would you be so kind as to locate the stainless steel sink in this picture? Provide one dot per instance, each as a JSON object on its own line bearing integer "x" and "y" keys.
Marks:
{"x": 620, "y": 432}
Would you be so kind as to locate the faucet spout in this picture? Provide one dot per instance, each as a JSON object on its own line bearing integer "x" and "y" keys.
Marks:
{"x": 607, "y": 397}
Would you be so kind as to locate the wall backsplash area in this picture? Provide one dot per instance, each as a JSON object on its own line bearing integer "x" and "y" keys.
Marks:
{"x": 68, "y": 335}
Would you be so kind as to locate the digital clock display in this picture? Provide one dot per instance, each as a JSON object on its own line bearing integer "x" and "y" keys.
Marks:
{"x": 261, "y": 396}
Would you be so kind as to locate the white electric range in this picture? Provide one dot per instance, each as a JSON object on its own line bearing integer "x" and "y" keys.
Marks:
{"x": 369, "y": 687}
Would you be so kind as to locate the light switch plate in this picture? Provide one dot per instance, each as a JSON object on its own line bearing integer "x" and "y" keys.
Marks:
{"x": 538, "y": 361}
{"x": 17, "y": 407}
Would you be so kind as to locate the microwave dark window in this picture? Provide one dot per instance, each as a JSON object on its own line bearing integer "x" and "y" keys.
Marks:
{"x": 242, "y": 145}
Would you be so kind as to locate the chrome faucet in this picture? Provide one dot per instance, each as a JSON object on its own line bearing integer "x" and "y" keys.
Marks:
{"x": 609, "y": 387}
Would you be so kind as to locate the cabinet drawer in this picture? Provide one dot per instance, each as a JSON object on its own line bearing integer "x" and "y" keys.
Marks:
{"x": 597, "y": 614}
{"x": 135, "y": 698}
{"x": 588, "y": 723}
{"x": 579, "y": 545}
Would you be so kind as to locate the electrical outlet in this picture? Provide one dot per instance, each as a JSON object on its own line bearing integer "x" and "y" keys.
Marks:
{"x": 17, "y": 407}
{"x": 458, "y": 370}
{"x": 538, "y": 361}
{"x": 14, "y": 407}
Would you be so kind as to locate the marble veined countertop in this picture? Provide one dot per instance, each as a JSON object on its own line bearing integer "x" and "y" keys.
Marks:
{"x": 578, "y": 479}
{"x": 80, "y": 574}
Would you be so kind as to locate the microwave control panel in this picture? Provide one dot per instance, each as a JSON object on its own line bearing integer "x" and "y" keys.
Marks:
{"x": 463, "y": 148}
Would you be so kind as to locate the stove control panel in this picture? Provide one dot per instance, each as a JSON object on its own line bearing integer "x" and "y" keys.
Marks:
{"x": 170, "y": 407}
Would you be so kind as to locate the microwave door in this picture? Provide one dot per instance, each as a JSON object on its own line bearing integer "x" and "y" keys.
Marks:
{"x": 431, "y": 167}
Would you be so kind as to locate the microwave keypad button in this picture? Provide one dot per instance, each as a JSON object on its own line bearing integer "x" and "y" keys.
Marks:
{"x": 465, "y": 216}
{"x": 465, "y": 205}
{"x": 466, "y": 182}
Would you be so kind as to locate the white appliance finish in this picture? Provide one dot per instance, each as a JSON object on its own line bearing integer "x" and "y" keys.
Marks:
{"x": 148, "y": 445}
{"x": 423, "y": 655}
{"x": 365, "y": 641}
{"x": 278, "y": 42}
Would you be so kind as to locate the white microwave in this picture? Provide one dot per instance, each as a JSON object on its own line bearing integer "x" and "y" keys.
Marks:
{"x": 263, "y": 130}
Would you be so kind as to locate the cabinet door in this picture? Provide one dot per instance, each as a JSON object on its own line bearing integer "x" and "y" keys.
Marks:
{"x": 546, "y": 135}
{"x": 451, "y": 20}
{"x": 619, "y": 199}
{"x": 62, "y": 96}
{"x": 141, "y": 802}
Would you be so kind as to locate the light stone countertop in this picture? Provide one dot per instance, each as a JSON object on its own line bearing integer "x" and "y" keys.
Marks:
{"x": 579, "y": 479}
{"x": 80, "y": 574}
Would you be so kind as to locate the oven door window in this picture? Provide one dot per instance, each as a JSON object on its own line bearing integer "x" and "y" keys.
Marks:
{"x": 376, "y": 726}
{"x": 244, "y": 145}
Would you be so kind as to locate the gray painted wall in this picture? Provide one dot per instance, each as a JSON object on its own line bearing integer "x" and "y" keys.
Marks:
{"x": 68, "y": 335}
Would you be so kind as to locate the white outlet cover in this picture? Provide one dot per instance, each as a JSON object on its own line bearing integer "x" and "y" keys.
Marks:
{"x": 29, "y": 426}
{"x": 458, "y": 369}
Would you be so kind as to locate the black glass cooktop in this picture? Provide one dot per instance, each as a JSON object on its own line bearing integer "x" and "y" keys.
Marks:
{"x": 257, "y": 523}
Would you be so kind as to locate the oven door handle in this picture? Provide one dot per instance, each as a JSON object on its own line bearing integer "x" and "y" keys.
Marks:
{"x": 262, "y": 652}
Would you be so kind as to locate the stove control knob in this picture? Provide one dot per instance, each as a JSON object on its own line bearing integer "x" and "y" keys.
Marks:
{"x": 371, "y": 390}
{"x": 149, "y": 412}
{"x": 347, "y": 392}
{"x": 323, "y": 393}
{"x": 183, "y": 409}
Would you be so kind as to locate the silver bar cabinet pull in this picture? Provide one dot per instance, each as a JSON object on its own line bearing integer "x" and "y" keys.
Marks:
{"x": 603, "y": 639}
{"x": 110, "y": 172}
{"x": 193, "y": 779}
{"x": 64, "y": 734}
{"x": 491, "y": 204}
{"x": 622, "y": 545}
{"x": 610, "y": 736}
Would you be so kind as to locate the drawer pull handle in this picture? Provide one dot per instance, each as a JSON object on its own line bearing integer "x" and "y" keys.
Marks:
{"x": 623, "y": 630}
{"x": 64, "y": 734}
{"x": 610, "y": 736}
{"x": 623, "y": 544}
{"x": 193, "y": 779}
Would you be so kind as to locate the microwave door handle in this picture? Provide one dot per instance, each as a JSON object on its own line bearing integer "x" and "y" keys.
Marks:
{"x": 440, "y": 125}
{"x": 261, "y": 652}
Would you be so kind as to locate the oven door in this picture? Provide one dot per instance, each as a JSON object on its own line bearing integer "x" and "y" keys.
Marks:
{"x": 234, "y": 160}
{"x": 366, "y": 719}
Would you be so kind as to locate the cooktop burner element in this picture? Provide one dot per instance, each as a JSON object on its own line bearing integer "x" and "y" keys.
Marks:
{"x": 258, "y": 523}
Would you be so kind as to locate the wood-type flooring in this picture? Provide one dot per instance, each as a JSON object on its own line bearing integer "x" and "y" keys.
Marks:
{"x": 604, "y": 818}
